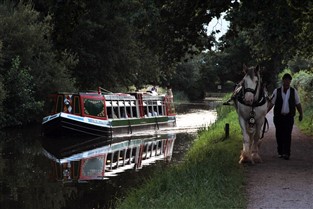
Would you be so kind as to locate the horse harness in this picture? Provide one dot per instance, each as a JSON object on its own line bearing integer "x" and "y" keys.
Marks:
{"x": 263, "y": 97}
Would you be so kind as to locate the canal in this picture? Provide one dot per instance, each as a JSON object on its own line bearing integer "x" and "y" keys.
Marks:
{"x": 40, "y": 173}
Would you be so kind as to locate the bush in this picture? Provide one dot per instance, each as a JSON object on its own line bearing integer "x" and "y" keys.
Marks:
{"x": 20, "y": 106}
{"x": 303, "y": 81}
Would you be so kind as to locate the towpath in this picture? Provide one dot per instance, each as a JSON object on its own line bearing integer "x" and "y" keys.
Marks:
{"x": 282, "y": 184}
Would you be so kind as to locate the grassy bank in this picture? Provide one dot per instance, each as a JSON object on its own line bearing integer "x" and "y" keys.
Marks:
{"x": 306, "y": 125}
{"x": 210, "y": 176}
{"x": 303, "y": 80}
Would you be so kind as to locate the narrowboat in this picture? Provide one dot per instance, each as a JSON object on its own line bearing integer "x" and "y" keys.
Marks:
{"x": 102, "y": 113}
{"x": 99, "y": 159}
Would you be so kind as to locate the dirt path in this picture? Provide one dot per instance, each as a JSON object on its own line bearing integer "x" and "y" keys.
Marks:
{"x": 282, "y": 184}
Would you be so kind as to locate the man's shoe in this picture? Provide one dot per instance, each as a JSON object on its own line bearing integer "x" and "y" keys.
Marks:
{"x": 286, "y": 157}
{"x": 280, "y": 156}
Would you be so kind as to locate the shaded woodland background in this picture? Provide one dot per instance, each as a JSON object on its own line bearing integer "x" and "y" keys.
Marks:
{"x": 66, "y": 45}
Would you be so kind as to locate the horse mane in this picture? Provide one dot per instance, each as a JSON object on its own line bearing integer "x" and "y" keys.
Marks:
{"x": 251, "y": 72}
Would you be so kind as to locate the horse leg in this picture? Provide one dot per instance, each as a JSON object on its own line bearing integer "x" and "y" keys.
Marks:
{"x": 256, "y": 145}
{"x": 245, "y": 156}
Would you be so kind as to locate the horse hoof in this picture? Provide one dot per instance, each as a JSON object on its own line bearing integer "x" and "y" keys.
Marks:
{"x": 256, "y": 158}
{"x": 244, "y": 159}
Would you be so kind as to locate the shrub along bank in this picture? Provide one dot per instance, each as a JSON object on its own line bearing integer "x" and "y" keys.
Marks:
{"x": 303, "y": 81}
{"x": 209, "y": 177}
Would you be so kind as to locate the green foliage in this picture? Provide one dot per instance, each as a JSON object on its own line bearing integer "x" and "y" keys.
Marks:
{"x": 209, "y": 177}
{"x": 2, "y": 97}
{"x": 266, "y": 36}
{"x": 300, "y": 63}
{"x": 26, "y": 34}
{"x": 223, "y": 111}
{"x": 187, "y": 79}
{"x": 218, "y": 68}
{"x": 20, "y": 105}
{"x": 272, "y": 35}
{"x": 303, "y": 82}
{"x": 28, "y": 56}
{"x": 180, "y": 97}
{"x": 306, "y": 125}
{"x": 141, "y": 40}
{"x": 303, "y": 17}
{"x": 116, "y": 44}
{"x": 2, "y": 91}
{"x": 105, "y": 35}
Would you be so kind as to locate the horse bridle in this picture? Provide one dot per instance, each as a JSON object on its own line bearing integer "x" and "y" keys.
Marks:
{"x": 251, "y": 120}
{"x": 253, "y": 91}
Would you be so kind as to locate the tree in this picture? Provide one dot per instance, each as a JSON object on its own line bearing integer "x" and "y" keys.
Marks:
{"x": 2, "y": 91}
{"x": 20, "y": 105}
{"x": 267, "y": 32}
{"x": 26, "y": 34}
{"x": 103, "y": 35}
{"x": 187, "y": 79}
{"x": 141, "y": 40}
{"x": 303, "y": 18}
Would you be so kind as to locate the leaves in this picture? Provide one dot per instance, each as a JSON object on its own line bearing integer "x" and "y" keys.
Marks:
{"x": 20, "y": 104}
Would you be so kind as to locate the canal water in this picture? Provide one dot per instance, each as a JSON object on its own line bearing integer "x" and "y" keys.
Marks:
{"x": 40, "y": 173}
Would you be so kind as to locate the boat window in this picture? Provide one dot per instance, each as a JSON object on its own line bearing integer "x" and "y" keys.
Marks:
{"x": 94, "y": 107}
{"x": 122, "y": 109}
{"x": 121, "y": 103}
{"x": 160, "y": 108}
{"x": 76, "y": 105}
{"x": 129, "y": 112}
{"x": 123, "y": 112}
{"x": 153, "y": 108}
{"x": 108, "y": 103}
{"x": 134, "y": 111}
{"x": 68, "y": 104}
{"x": 59, "y": 103}
{"x": 93, "y": 167}
{"x": 112, "y": 112}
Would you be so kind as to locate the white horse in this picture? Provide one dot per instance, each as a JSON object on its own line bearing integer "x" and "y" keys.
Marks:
{"x": 251, "y": 106}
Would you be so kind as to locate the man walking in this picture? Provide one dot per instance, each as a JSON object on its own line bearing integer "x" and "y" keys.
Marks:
{"x": 286, "y": 100}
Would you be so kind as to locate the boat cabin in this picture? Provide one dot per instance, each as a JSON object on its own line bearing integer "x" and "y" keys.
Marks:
{"x": 110, "y": 106}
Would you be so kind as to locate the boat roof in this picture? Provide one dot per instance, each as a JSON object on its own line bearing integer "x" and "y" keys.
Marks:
{"x": 115, "y": 96}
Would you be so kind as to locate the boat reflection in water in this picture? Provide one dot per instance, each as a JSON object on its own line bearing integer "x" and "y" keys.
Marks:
{"x": 100, "y": 158}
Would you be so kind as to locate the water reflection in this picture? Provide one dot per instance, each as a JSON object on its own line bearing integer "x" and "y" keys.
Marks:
{"x": 100, "y": 158}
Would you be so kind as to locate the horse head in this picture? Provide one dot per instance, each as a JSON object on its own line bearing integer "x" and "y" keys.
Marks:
{"x": 251, "y": 84}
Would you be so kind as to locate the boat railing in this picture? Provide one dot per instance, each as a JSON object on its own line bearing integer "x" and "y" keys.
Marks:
{"x": 100, "y": 89}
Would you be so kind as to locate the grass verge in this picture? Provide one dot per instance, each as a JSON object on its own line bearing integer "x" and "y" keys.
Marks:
{"x": 209, "y": 177}
{"x": 306, "y": 125}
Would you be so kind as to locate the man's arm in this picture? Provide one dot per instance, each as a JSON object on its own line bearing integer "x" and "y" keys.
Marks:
{"x": 271, "y": 101}
{"x": 299, "y": 108}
